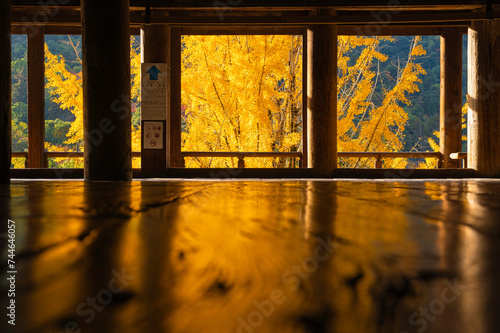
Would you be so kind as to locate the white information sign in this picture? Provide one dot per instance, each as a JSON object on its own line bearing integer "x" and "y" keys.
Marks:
{"x": 154, "y": 91}
{"x": 153, "y": 135}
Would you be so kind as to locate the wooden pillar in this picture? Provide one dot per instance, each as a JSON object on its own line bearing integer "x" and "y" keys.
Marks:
{"x": 322, "y": 98}
{"x": 303, "y": 162}
{"x": 5, "y": 93}
{"x": 483, "y": 128}
{"x": 450, "y": 138}
{"x": 174, "y": 115}
{"x": 36, "y": 99}
{"x": 155, "y": 48}
{"x": 106, "y": 89}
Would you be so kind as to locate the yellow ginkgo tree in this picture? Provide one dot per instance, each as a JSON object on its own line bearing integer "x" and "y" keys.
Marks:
{"x": 244, "y": 93}
{"x": 66, "y": 89}
{"x": 364, "y": 124}
{"x": 241, "y": 93}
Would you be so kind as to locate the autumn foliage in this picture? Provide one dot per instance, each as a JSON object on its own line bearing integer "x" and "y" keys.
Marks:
{"x": 66, "y": 89}
{"x": 244, "y": 93}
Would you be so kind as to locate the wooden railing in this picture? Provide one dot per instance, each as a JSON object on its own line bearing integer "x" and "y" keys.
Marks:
{"x": 460, "y": 156}
{"x": 240, "y": 155}
{"x": 20, "y": 154}
{"x": 378, "y": 156}
{"x": 59, "y": 154}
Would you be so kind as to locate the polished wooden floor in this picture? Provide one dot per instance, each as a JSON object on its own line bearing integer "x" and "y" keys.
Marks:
{"x": 254, "y": 256}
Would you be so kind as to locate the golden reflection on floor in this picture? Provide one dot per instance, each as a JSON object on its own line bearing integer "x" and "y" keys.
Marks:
{"x": 255, "y": 256}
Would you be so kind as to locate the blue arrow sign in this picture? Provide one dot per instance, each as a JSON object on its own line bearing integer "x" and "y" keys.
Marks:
{"x": 153, "y": 73}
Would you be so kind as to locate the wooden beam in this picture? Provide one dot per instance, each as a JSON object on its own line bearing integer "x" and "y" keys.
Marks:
{"x": 251, "y": 30}
{"x": 461, "y": 159}
{"x": 309, "y": 173}
{"x": 61, "y": 30}
{"x": 174, "y": 116}
{"x": 263, "y": 173}
{"x": 483, "y": 130}
{"x": 106, "y": 90}
{"x": 346, "y": 30}
{"x": 359, "y": 19}
{"x": 450, "y": 138}
{"x": 155, "y": 48}
{"x": 216, "y": 16}
{"x": 315, "y": 4}
{"x": 36, "y": 99}
{"x": 322, "y": 98}
{"x": 396, "y": 154}
{"x": 43, "y": 16}
{"x": 5, "y": 93}
{"x": 59, "y": 154}
{"x": 239, "y": 153}
{"x": 263, "y": 5}
{"x": 394, "y": 30}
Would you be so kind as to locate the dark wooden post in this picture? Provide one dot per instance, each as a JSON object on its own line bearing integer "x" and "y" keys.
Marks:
{"x": 305, "y": 146}
{"x": 483, "y": 128}
{"x": 106, "y": 89}
{"x": 174, "y": 114}
{"x": 5, "y": 93}
{"x": 155, "y": 48}
{"x": 322, "y": 99}
{"x": 450, "y": 138}
{"x": 241, "y": 161}
{"x": 36, "y": 99}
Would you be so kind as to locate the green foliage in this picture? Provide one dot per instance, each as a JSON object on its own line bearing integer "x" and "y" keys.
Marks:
{"x": 423, "y": 113}
{"x": 20, "y": 80}
{"x": 61, "y": 45}
{"x": 19, "y": 136}
{"x": 65, "y": 163}
{"x": 19, "y": 46}
{"x": 56, "y": 130}
{"x": 20, "y": 112}
{"x": 53, "y": 111}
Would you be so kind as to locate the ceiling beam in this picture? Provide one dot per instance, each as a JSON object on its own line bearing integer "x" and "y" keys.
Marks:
{"x": 368, "y": 18}
{"x": 405, "y": 30}
{"x": 71, "y": 17}
{"x": 267, "y": 4}
{"x": 59, "y": 30}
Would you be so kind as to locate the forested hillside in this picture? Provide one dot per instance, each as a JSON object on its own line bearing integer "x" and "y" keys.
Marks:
{"x": 57, "y": 121}
{"x": 423, "y": 113}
